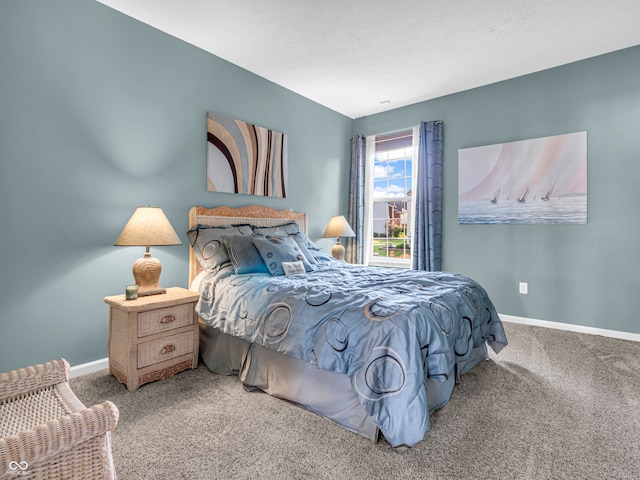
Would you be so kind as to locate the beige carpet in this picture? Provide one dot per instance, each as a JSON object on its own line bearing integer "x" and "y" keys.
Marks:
{"x": 552, "y": 405}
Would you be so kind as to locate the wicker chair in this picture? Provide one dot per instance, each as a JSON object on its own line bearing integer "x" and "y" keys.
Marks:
{"x": 47, "y": 433}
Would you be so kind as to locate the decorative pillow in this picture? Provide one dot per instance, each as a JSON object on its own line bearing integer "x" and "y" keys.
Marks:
{"x": 208, "y": 244}
{"x": 293, "y": 268}
{"x": 302, "y": 240}
{"x": 275, "y": 250}
{"x": 288, "y": 230}
{"x": 244, "y": 256}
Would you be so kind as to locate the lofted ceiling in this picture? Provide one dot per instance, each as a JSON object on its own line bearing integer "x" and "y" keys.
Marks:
{"x": 363, "y": 57}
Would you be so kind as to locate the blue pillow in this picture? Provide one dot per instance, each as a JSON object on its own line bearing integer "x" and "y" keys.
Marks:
{"x": 302, "y": 240}
{"x": 275, "y": 250}
{"x": 288, "y": 230}
{"x": 244, "y": 256}
{"x": 208, "y": 244}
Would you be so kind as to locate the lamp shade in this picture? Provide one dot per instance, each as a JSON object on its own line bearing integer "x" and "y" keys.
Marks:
{"x": 148, "y": 226}
{"x": 338, "y": 227}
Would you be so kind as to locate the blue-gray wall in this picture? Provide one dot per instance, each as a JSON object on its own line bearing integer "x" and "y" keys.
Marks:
{"x": 99, "y": 114}
{"x": 579, "y": 274}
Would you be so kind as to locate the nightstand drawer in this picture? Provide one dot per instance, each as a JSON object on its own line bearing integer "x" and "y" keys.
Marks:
{"x": 165, "y": 348}
{"x": 163, "y": 319}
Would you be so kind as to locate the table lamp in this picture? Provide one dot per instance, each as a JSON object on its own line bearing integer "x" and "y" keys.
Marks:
{"x": 148, "y": 226}
{"x": 338, "y": 227}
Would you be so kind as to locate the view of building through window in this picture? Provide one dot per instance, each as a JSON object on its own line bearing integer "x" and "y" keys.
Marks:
{"x": 392, "y": 178}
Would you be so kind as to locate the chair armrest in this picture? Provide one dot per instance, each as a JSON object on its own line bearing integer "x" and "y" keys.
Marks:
{"x": 25, "y": 380}
{"x": 53, "y": 437}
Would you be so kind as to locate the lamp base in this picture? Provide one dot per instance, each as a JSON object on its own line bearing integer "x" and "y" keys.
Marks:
{"x": 146, "y": 272}
{"x": 337, "y": 251}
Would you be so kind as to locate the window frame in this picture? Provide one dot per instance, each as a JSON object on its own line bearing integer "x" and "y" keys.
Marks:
{"x": 369, "y": 258}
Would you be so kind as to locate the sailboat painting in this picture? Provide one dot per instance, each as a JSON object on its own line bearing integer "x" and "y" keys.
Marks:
{"x": 535, "y": 181}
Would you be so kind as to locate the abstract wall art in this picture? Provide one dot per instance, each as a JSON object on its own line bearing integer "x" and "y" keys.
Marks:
{"x": 536, "y": 181}
{"x": 245, "y": 158}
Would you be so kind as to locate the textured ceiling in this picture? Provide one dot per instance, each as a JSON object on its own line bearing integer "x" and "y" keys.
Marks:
{"x": 352, "y": 55}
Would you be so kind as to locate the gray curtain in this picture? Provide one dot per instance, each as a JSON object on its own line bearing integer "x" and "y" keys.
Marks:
{"x": 354, "y": 245}
{"x": 427, "y": 236}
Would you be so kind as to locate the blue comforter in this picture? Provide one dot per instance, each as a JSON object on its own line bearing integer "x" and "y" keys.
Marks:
{"x": 387, "y": 329}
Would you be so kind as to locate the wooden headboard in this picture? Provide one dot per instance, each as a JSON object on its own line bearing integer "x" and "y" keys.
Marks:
{"x": 255, "y": 215}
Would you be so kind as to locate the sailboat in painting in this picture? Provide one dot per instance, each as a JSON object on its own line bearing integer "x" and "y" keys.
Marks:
{"x": 523, "y": 198}
{"x": 547, "y": 196}
{"x": 496, "y": 194}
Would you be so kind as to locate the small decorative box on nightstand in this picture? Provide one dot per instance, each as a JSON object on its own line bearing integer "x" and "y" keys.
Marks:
{"x": 152, "y": 337}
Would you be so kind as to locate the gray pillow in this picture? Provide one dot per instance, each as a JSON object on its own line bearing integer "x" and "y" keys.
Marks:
{"x": 208, "y": 244}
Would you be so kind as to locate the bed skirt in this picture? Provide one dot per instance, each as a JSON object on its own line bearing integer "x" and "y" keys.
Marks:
{"x": 327, "y": 393}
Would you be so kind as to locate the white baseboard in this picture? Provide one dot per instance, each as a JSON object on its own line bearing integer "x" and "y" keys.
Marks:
{"x": 634, "y": 337}
{"x": 89, "y": 367}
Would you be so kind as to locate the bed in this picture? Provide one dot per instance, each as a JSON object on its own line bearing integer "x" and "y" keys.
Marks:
{"x": 374, "y": 349}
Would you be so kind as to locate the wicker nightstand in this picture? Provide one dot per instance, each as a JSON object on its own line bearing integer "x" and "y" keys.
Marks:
{"x": 153, "y": 337}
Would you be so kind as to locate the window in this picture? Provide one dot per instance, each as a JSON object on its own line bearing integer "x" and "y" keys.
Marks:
{"x": 390, "y": 174}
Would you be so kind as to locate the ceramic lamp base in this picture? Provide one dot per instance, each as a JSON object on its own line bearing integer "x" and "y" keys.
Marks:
{"x": 146, "y": 272}
{"x": 337, "y": 251}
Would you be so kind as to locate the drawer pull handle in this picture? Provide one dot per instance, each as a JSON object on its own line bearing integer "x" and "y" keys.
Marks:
{"x": 168, "y": 319}
{"x": 168, "y": 349}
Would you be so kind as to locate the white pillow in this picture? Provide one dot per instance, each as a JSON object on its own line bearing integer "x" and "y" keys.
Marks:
{"x": 293, "y": 268}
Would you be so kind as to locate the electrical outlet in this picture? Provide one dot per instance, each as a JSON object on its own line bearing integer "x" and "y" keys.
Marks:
{"x": 524, "y": 288}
